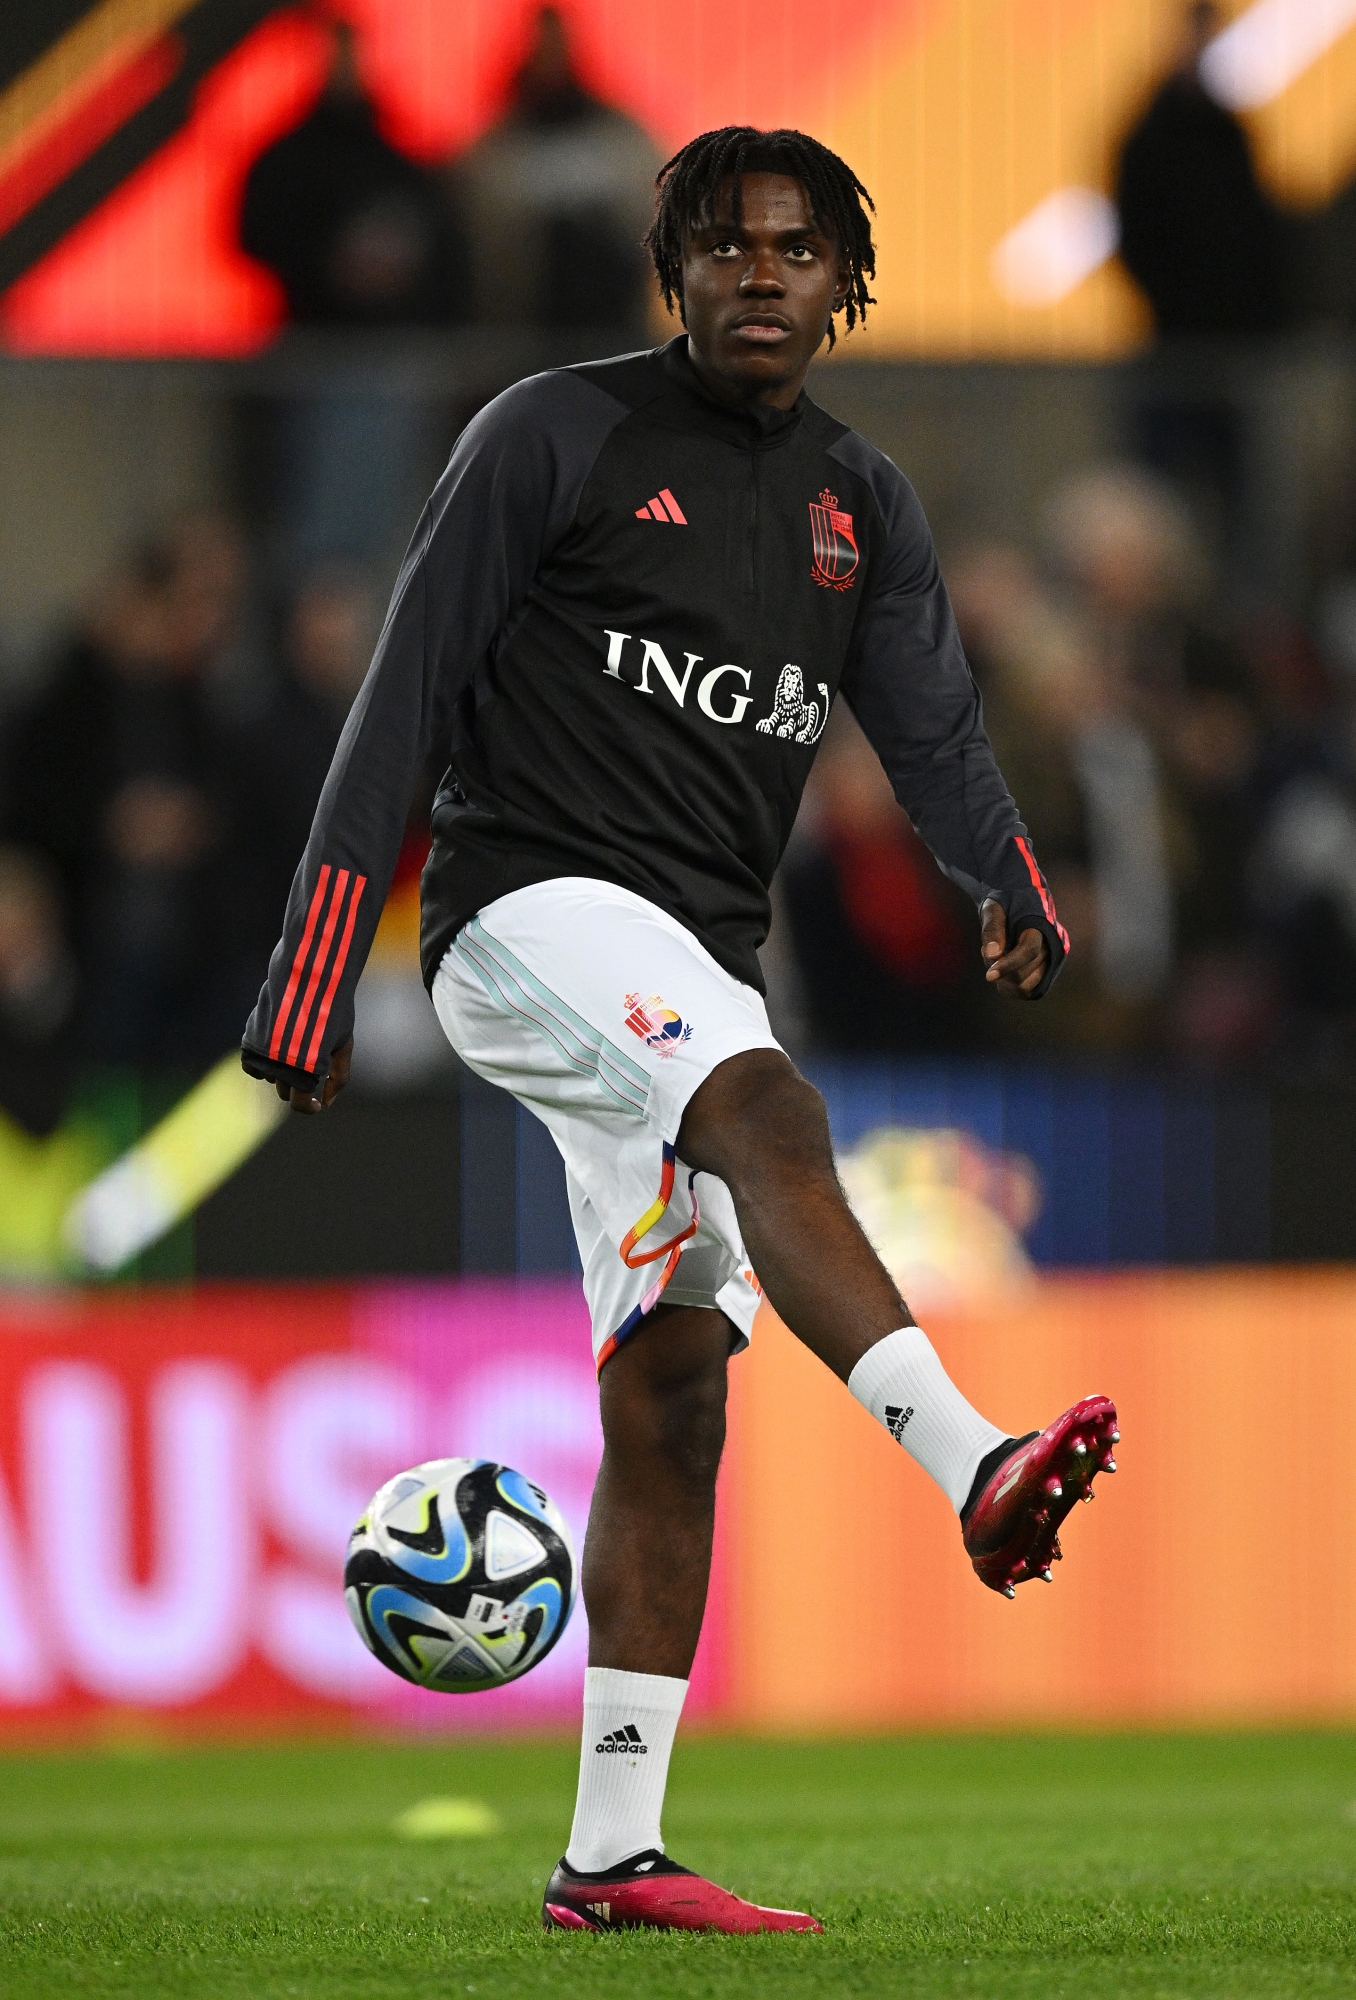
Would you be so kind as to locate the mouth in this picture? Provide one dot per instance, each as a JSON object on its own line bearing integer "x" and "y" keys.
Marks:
{"x": 761, "y": 330}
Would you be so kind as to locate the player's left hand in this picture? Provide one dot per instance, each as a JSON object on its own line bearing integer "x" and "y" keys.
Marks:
{"x": 334, "y": 1083}
{"x": 1020, "y": 970}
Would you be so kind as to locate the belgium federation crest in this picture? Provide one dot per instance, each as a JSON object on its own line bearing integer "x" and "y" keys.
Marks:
{"x": 835, "y": 546}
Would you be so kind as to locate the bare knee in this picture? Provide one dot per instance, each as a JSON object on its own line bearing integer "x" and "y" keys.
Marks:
{"x": 663, "y": 1400}
{"x": 756, "y": 1113}
{"x": 688, "y": 1430}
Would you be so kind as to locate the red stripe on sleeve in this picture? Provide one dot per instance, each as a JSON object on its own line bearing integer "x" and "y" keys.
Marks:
{"x": 679, "y": 516}
{"x": 299, "y": 962}
{"x": 359, "y": 884}
{"x": 317, "y": 966}
{"x": 1037, "y": 882}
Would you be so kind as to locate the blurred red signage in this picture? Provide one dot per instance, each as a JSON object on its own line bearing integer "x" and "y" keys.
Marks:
{"x": 179, "y": 1472}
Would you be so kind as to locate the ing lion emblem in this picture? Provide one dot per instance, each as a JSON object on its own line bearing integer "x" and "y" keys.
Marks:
{"x": 792, "y": 715}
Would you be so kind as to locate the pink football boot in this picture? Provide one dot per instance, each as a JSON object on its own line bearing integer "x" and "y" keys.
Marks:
{"x": 650, "y": 1892}
{"x": 1011, "y": 1527}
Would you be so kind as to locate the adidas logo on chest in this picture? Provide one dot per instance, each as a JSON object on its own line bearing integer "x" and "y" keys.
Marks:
{"x": 663, "y": 507}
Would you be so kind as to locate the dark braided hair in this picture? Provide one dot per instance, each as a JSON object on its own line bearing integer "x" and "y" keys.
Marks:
{"x": 691, "y": 181}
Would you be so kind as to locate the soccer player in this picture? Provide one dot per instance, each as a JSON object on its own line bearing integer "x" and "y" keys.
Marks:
{"x": 629, "y": 605}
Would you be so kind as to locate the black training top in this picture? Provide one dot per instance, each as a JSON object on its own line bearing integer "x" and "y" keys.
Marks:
{"x": 628, "y": 610}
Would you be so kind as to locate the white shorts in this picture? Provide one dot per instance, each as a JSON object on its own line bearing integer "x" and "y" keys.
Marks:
{"x": 602, "y": 1015}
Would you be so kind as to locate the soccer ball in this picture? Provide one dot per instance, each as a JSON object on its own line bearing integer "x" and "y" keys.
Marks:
{"x": 460, "y": 1575}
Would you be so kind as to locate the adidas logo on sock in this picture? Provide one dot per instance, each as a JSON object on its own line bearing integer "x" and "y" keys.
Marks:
{"x": 895, "y": 1420}
{"x": 622, "y": 1743}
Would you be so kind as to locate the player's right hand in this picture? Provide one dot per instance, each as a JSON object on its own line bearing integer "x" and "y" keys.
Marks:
{"x": 334, "y": 1083}
{"x": 1019, "y": 970}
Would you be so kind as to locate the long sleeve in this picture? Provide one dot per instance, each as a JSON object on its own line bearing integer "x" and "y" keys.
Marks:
{"x": 506, "y": 498}
{"x": 908, "y": 683}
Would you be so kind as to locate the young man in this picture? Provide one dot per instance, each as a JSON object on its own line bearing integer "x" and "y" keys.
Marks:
{"x": 628, "y": 607}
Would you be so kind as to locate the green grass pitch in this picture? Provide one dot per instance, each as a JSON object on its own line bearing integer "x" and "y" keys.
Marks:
{"x": 1145, "y": 1865}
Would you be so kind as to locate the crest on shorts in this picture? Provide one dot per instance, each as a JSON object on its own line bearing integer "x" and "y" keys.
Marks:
{"x": 835, "y": 546}
{"x": 657, "y": 1025}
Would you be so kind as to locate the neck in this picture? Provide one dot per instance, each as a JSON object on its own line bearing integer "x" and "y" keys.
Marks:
{"x": 740, "y": 395}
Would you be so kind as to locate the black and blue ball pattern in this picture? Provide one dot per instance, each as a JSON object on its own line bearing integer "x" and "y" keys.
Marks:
{"x": 461, "y": 1575}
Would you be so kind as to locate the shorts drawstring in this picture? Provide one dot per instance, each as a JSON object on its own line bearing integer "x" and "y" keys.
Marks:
{"x": 674, "y": 1247}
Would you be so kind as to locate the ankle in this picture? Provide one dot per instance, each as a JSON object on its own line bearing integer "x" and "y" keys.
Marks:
{"x": 630, "y": 1720}
{"x": 902, "y": 1382}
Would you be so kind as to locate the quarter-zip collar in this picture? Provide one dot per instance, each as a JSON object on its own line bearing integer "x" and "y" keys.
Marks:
{"x": 753, "y": 426}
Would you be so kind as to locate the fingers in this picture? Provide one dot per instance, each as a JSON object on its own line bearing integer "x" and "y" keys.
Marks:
{"x": 309, "y": 1103}
{"x": 1022, "y": 969}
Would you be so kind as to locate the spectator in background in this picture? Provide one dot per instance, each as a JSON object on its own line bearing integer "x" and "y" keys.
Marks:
{"x": 356, "y": 233}
{"x": 326, "y": 632}
{"x": 1169, "y": 776}
{"x": 1329, "y": 240}
{"x": 557, "y": 198}
{"x": 1217, "y": 261}
{"x": 1088, "y": 782}
{"x": 362, "y": 240}
{"x": 883, "y": 942}
{"x": 1197, "y": 230}
{"x": 1302, "y": 867}
{"x": 1127, "y": 553}
{"x": 1135, "y": 723}
{"x": 38, "y": 993}
{"x": 117, "y": 777}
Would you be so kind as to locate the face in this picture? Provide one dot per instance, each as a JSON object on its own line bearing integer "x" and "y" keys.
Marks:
{"x": 758, "y": 295}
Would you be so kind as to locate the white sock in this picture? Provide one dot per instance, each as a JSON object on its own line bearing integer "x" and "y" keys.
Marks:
{"x": 630, "y": 1721}
{"x": 905, "y": 1387}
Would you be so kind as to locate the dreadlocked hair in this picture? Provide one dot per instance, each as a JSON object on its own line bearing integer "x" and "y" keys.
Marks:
{"x": 690, "y": 183}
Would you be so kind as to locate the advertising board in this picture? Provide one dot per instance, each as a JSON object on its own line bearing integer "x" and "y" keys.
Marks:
{"x": 179, "y": 1471}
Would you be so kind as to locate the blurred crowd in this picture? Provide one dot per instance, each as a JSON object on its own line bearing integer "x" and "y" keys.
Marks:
{"x": 157, "y": 789}
{"x": 539, "y": 223}
{"x": 538, "y": 226}
{"x": 1187, "y": 769}
{"x": 155, "y": 795}
{"x": 1214, "y": 254}
{"x": 1190, "y": 783}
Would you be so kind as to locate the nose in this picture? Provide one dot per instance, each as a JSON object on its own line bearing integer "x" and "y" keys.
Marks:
{"x": 761, "y": 275}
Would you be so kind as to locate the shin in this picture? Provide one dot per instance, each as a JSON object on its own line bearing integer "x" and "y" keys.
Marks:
{"x": 647, "y": 1561}
{"x": 758, "y": 1125}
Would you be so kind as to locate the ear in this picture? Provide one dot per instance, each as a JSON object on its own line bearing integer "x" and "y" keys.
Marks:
{"x": 842, "y": 285}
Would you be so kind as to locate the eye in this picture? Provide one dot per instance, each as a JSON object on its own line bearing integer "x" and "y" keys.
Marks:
{"x": 802, "y": 252}
{"x": 724, "y": 249}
